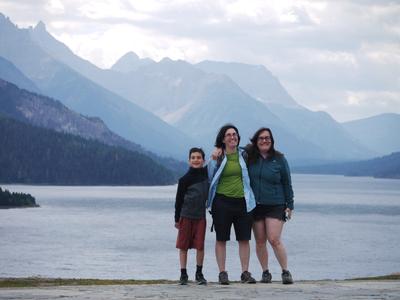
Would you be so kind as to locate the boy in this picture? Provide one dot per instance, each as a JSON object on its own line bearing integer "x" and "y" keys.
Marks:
{"x": 190, "y": 214}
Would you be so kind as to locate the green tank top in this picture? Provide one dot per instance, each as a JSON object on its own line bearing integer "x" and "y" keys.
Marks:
{"x": 231, "y": 183}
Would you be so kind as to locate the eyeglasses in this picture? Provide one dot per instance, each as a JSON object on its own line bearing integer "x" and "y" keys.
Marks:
{"x": 264, "y": 138}
{"x": 231, "y": 135}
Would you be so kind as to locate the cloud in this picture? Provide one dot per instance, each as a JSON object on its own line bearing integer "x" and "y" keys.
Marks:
{"x": 55, "y": 7}
{"x": 328, "y": 54}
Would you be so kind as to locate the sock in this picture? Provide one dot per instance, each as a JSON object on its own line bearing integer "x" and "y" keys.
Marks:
{"x": 183, "y": 272}
{"x": 199, "y": 269}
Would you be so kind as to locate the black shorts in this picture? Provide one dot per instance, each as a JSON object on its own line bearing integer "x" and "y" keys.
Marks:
{"x": 227, "y": 211}
{"x": 269, "y": 211}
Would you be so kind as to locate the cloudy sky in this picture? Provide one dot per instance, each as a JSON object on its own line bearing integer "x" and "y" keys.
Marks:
{"x": 339, "y": 56}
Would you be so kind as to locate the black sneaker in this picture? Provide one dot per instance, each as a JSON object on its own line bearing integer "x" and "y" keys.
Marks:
{"x": 200, "y": 279}
{"x": 266, "y": 277}
{"x": 246, "y": 277}
{"x": 223, "y": 278}
{"x": 184, "y": 279}
{"x": 287, "y": 277}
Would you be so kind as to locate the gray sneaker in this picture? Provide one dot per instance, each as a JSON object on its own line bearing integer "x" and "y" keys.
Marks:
{"x": 266, "y": 277}
{"x": 200, "y": 279}
{"x": 223, "y": 278}
{"x": 246, "y": 277}
{"x": 287, "y": 277}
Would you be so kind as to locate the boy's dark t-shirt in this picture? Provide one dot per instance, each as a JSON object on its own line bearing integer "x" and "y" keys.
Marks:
{"x": 191, "y": 195}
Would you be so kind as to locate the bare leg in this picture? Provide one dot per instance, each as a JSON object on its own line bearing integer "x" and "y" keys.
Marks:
{"x": 260, "y": 235}
{"x": 220, "y": 254}
{"x": 244, "y": 254}
{"x": 200, "y": 257}
{"x": 183, "y": 258}
{"x": 274, "y": 231}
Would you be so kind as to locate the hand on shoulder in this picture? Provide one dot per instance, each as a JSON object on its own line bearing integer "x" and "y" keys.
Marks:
{"x": 217, "y": 152}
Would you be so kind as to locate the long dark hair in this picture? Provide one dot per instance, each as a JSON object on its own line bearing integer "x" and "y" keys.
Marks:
{"x": 219, "y": 140}
{"x": 252, "y": 148}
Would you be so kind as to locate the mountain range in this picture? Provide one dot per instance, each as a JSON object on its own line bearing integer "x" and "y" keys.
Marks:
{"x": 387, "y": 166}
{"x": 42, "y": 111}
{"x": 379, "y": 133}
{"x": 55, "y": 79}
{"x": 45, "y": 112}
{"x": 318, "y": 127}
{"x": 167, "y": 88}
{"x": 168, "y": 106}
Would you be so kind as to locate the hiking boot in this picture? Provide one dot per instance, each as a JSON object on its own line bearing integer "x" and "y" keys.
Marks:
{"x": 246, "y": 277}
{"x": 223, "y": 278}
{"x": 287, "y": 277}
{"x": 266, "y": 277}
{"x": 200, "y": 279}
{"x": 184, "y": 279}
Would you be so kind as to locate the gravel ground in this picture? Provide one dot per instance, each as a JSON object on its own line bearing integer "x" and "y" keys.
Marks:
{"x": 369, "y": 289}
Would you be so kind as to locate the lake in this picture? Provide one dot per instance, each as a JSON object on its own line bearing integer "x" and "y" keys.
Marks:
{"x": 342, "y": 227}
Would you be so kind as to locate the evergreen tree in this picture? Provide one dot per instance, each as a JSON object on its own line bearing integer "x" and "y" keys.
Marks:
{"x": 8, "y": 199}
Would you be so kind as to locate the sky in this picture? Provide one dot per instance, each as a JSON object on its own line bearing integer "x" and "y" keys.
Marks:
{"x": 339, "y": 56}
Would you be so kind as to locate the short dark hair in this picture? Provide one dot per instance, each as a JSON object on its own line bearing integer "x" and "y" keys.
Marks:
{"x": 196, "y": 149}
{"x": 219, "y": 140}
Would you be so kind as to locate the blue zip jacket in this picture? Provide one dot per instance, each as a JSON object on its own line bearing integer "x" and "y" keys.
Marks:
{"x": 215, "y": 171}
{"x": 271, "y": 182}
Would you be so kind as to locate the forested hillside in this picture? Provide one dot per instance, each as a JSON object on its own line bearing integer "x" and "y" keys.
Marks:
{"x": 34, "y": 155}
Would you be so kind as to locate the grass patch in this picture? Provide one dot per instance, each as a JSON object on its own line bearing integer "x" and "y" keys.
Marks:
{"x": 43, "y": 282}
{"x": 48, "y": 282}
{"x": 394, "y": 276}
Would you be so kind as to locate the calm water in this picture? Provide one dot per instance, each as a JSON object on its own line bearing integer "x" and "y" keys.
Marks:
{"x": 342, "y": 227}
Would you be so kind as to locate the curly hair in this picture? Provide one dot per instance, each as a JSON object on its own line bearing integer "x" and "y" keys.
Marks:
{"x": 219, "y": 140}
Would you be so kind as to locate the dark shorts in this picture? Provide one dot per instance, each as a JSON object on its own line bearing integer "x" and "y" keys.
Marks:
{"x": 191, "y": 234}
{"x": 269, "y": 211}
{"x": 227, "y": 211}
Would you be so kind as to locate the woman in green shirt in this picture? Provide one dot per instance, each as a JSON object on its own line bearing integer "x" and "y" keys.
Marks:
{"x": 231, "y": 200}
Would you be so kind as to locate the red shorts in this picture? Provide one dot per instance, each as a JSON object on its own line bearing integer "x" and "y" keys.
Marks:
{"x": 191, "y": 234}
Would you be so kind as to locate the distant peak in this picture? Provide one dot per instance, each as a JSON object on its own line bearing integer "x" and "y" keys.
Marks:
{"x": 131, "y": 55}
{"x": 40, "y": 26}
{"x": 128, "y": 57}
{"x": 169, "y": 61}
{"x": 166, "y": 60}
{"x": 127, "y": 62}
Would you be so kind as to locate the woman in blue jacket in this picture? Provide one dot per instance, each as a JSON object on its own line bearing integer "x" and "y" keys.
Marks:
{"x": 231, "y": 200}
{"x": 271, "y": 183}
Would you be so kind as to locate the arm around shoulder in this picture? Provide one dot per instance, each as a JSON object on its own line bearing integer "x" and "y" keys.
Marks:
{"x": 211, "y": 166}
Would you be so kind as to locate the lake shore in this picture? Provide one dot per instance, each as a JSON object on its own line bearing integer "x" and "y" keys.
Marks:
{"x": 24, "y": 282}
{"x": 18, "y": 206}
{"x": 370, "y": 288}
